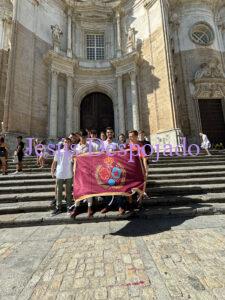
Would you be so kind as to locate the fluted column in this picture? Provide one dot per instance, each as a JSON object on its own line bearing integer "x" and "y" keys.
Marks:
{"x": 118, "y": 30}
{"x": 120, "y": 104}
{"x": 53, "y": 105}
{"x": 134, "y": 98}
{"x": 69, "y": 105}
{"x": 76, "y": 118}
{"x": 69, "y": 36}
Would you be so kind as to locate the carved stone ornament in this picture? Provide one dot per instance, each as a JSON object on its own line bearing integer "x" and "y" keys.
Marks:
{"x": 212, "y": 69}
{"x": 175, "y": 20}
{"x": 131, "y": 40}
{"x": 210, "y": 81}
{"x": 221, "y": 24}
{"x": 56, "y": 36}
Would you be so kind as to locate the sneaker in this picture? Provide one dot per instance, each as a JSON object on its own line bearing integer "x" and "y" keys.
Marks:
{"x": 57, "y": 211}
{"x": 69, "y": 209}
{"x": 15, "y": 173}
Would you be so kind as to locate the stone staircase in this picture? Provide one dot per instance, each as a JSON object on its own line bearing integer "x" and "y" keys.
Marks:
{"x": 176, "y": 186}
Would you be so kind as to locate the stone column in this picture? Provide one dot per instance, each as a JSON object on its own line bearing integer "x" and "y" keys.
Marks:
{"x": 69, "y": 35}
{"x": 77, "y": 118}
{"x": 134, "y": 99}
{"x": 53, "y": 105}
{"x": 118, "y": 30}
{"x": 69, "y": 105}
{"x": 120, "y": 104}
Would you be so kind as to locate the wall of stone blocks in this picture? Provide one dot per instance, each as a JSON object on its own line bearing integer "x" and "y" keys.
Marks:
{"x": 3, "y": 78}
{"x": 154, "y": 76}
{"x": 29, "y": 89}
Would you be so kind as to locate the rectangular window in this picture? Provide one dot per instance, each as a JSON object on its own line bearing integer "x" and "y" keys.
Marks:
{"x": 95, "y": 46}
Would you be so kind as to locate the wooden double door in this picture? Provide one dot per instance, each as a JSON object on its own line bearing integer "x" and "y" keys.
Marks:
{"x": 212, "y": 119}
{"x": 96, "y": 112}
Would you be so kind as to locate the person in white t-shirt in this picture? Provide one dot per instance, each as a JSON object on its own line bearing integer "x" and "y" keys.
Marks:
{"x": 109, "y": 144}
{"x": 62, "y": 170}
{"x": 205, "y": 143}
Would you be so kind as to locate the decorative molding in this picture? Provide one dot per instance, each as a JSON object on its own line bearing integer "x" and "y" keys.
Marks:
{"x": 220, "y": 24}
{"x": 210, "y": 81}
{"x": 62, "y": 64}
{"x": 212, "y": 69}
{"x": 175, "y": 20}
{"x": 126, "y": 63}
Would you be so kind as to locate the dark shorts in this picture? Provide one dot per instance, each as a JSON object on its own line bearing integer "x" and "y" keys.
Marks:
{"x": 20, "y": 157}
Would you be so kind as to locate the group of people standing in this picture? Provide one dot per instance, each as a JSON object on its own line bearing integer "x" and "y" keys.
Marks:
{"x": 61, "y": 168}
{"x": 18, "y": 155}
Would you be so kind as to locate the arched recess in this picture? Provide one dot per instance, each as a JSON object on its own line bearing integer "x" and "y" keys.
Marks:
{"x": 86, "y": 89}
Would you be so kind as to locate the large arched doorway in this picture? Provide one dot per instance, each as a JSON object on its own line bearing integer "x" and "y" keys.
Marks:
{"x": 96, "y": 112}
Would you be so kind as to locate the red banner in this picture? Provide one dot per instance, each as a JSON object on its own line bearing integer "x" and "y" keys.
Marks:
{"x": 103, "y": 175}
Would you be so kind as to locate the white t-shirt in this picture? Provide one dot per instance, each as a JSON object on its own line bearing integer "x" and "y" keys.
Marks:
{"x": 64, "y": 169}
{"x": 81, "y": 149}
{"x": 205, "y": 142}
{"x": 110, "y": 146}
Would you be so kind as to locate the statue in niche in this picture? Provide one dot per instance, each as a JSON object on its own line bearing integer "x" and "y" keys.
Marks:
{"x": 56, "y": 37}
{"x": 131, "y": 39}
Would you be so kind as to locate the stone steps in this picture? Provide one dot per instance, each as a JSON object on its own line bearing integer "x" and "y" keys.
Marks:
{"x": 23, "y": 207}
{"x": 27, "y": 189}
{"x": 157, "y": 169}
{"x": 172, "y": 189}
{"x": 25, "y": 176}
{"x": 186, "y": 181}
{"x": 26, "y": 197}
{"x": 44, "y": 218}
{"x": 24, "y": 182}
{"x": 193, "y": 169}
{"x": 178, "y": 186}
{"x": 40, "y": 204}
{"x": 186, "y": 189}
{"x": 185, "y": 164}
{"x": 193, "y": 176}
{"x": 29, "y": 170}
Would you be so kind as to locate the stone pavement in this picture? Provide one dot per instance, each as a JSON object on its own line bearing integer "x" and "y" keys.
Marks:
{"x": 162, "y": 258}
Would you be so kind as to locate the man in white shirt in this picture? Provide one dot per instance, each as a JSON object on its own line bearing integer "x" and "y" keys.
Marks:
{"x": 62, "y": 170}
{"x": 109, "y": 144}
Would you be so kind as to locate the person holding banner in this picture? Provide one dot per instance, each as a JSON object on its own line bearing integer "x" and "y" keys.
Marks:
{"x": 62, "y": 170}
{"x": 83, "y": 147}
{"x": 109, "y": 143}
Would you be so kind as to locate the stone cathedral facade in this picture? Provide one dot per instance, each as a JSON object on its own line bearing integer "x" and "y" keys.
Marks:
{"x": 157, "y": 65}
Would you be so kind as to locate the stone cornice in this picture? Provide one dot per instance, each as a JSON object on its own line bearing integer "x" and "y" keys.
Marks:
{"x": 6, "y": 10}
{"x": 60, "y": 63}
{"x": 126, "y": 63}
{"x": 126, "y": 59}
{"x": 212, "y": 4}
{"x": 149, "y": 3}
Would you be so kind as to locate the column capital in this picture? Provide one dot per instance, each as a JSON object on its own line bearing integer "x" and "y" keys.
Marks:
{"x": 69, "y": 76}
{"x": 133, "y": 74}
{"x": 54, "y": 72}
{"x": 69, "y": 11}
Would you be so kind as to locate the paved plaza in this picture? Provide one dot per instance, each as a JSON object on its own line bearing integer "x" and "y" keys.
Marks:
{"x": 166, "y": 258}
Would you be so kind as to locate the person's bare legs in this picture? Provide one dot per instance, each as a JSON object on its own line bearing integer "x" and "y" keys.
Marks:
{"x": 90, "y": 211}
{"x": 4, "y": 165}
{"x": 208, "y": 153}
